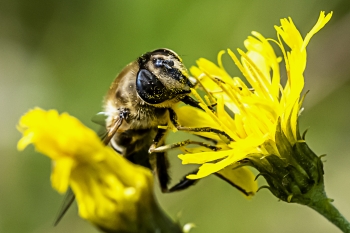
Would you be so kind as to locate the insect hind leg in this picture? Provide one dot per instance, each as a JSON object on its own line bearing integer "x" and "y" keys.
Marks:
{"x": 164, "y": 178}
{"x": 162, "y": 171}
{"x": 162, "y": 164}
{"x": 184, "y": 183}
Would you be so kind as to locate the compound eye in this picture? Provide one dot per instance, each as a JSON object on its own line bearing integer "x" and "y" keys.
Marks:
{"x": 150, "y": 89}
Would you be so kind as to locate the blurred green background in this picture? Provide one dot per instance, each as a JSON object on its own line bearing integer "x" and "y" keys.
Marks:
{"x": 64, "y": 55}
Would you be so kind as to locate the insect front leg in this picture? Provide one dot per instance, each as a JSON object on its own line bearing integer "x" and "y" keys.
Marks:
{"x": 116, "y": 123}
{"x": 194, "y": 103}
{"x": 173, "y": 119}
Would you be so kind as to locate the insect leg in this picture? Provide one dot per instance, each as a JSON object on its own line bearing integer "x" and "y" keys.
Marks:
{"x": 207, "y": 130}
{"x": 161, "y": 134}
{"x": 164, "y": 178}
{"x": 173, "y": 119}
{"x": 242, "y": 190}
{"x": 162, "y": 166}
{"x": 184, "y": 183}
{"x": 157, "y": 139}
{"x": 124, "y": 113}
{"x": 194, "y": 103}
{"x": 162, "y": 163}
{"x": 181, "y": 144}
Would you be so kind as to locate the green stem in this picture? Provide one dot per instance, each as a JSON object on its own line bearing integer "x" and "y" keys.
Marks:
{"x": 150, "y": 220}
{"x": 323, "y": 205}
{"x": 162, "y": 222}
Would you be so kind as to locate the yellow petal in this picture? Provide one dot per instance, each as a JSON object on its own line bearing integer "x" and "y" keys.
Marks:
{"x": 111, "y": 192}
{"x": 61, "y": 174}
{"x": 203, "y": 157}
{"x": 25, "y": 141}
{"x": 210, "y": 168}
{"x": 321, "y": 22}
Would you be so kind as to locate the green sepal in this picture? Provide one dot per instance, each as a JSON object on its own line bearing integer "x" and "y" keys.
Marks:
{"x": 291, "y": 171}
{"x": 311, "y": 163}
{"x": 272, "y": 168}
{"x": 285, "y": 149}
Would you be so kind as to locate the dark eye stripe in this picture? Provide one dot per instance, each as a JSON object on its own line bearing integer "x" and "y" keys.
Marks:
{"x": 142, "y": 60}
{"x": 166, "y": 52}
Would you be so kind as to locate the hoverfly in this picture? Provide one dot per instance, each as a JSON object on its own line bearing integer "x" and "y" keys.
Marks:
{"x": 140, "y": 99}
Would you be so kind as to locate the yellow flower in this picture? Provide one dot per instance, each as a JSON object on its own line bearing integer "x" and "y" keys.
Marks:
{"x": 111, "y": 192}
{"x": 251, "y": 114}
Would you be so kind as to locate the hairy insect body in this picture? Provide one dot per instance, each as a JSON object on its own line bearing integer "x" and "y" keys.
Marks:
{"x": 140, "y": 126}
{"x": 139, "y": 100}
